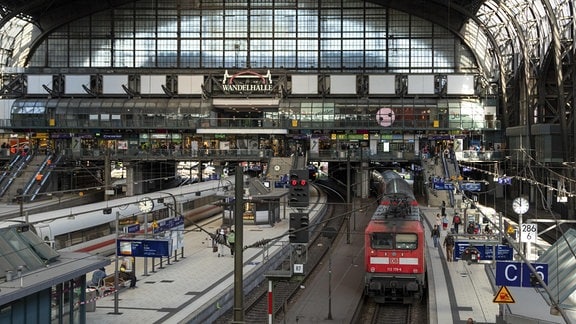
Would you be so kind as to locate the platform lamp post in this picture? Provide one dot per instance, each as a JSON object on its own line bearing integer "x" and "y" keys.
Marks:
{"x": 172, "y": 208}
{"x": 20, "y": 200}
{"x": 116, "y": 267}
{"x": 330, "y": 233}
{"x": 238, "y": 246}
{"x": 348, "y": 193}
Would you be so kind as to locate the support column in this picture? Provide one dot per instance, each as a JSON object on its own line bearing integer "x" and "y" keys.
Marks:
{"x": 363, "y": 181}
{"x": 133, "y": 179}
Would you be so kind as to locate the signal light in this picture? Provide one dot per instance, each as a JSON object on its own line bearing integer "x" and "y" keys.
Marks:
{"x": 298, "y": 228}
{"x": 299, "y": 189}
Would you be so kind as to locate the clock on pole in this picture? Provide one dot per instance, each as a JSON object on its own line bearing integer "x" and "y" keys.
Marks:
{"x": 145, "y": 205}
{"x": 520, "y": 205}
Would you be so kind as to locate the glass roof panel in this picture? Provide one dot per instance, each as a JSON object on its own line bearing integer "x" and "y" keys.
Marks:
{"x": 562, "y": 268}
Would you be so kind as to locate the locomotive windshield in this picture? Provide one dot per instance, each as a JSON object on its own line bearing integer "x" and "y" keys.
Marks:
{"x": 389, "y": 241}
{"x": 382, "y": 240}
{"x": 406, "y": 241}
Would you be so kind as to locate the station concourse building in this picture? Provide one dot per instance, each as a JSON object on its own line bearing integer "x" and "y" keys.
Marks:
{"x": 150, "y": 84}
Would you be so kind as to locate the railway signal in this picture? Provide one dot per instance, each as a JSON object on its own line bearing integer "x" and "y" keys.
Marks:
{"x": 299, "y": 189}
{"x": 298, "y": 228}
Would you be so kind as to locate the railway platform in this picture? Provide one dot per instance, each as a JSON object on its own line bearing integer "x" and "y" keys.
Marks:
{"x": 459, "y": 291}
{"x": 199, "y": 287}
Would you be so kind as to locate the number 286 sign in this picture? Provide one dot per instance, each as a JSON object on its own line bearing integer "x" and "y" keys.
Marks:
{"x": 529, "y": 232}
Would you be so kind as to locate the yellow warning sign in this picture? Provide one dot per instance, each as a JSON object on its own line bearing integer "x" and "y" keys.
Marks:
{"x": 503, "y": 296}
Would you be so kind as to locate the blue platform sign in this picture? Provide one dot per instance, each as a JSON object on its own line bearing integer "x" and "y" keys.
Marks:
{"x": 503, "y": 252}
{"x": 143, "y": 248}
{"x": 134, "y": 228}
{"x": 505, "y": 180}
{"x": 443, "y": 186}
{"x": 517, "y": 274}
{"x": 471, "y": 186}
{"x": 168, "y": 224}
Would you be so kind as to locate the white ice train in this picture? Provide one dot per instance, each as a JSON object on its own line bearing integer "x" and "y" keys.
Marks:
{"x": 91, "y": 227}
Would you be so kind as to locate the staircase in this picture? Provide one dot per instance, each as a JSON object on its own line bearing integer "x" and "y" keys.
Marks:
{"x": 278, "y": 167}
{"x": 435, "y": 197}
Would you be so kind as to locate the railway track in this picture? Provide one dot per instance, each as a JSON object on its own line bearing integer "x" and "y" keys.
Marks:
{"x": 393, "y": 313}
{"x": 256, "y": 302}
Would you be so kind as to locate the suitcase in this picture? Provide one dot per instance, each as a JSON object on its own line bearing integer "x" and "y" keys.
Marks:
{"x": 215, "y": 248}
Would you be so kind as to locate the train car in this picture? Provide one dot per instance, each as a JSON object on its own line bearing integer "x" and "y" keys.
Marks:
{"x": 395, "y": 269}
{"x": 382, "y": 180}
{"x": 75, "y": 226}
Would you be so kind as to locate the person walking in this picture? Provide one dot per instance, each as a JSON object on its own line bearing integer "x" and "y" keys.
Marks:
{"x": 436, "y": 235}
{"x": 449, "y": 245}
{"x": 438, "y": 221}
{"x": 221, "y": 240}
{"x": 231, "y": 241}
{"x": 443, "y": 208}
{"x": 456, "y": 221}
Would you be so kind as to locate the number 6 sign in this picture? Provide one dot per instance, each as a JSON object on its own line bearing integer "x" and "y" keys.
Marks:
{"x": 529, "y": 233}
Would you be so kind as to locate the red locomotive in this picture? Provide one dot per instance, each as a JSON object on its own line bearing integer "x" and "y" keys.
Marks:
{"x": 394, "y": 246}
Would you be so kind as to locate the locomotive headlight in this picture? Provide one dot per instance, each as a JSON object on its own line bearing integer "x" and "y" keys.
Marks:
{"x": 372, "y": 269}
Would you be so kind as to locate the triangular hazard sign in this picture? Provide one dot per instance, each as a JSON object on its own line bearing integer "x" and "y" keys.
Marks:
{"x": 503, "y": 296}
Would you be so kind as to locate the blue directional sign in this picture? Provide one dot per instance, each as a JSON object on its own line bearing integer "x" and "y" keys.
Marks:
{"x": 443, "y": 186}
{"x": 134, "y": 228}
{"x": 517, "y": 274}
{"x": 168, "y": 224}
{"x": 503, "y": 252}
{"x": 471, "y": 186}
{"x": 505, "y": 180}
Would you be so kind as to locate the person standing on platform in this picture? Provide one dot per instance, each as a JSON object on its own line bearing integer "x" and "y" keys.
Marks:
{"x": 443, "y": 208}
{"x": 231, "y": 241}
{"x": 471, "y": 228}
{"x": 436, "y": 235}
{"x": 445, "y": 222}
{"x": 449, "y": 244}
{"x": 456, "y": 222}
{"x": 438, "y": 221}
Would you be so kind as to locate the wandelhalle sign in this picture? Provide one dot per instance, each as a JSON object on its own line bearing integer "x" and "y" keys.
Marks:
{"x": 247, "y": 82}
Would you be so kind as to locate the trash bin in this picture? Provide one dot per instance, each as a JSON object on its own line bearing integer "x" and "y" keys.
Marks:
{"x": 91, "y": 295}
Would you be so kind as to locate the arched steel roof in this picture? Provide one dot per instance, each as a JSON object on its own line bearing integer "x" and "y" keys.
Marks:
{"x": 511, "y": 39}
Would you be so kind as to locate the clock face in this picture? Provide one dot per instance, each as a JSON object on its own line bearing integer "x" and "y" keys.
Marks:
{"x": 385, "y": 117}
{"x": 520, "y": 205}
{"x": 276, "y": 168}
{"x": 145, "y": 205}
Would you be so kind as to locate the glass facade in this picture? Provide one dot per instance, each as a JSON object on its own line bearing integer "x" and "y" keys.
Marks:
{"x": 298, "y": 35}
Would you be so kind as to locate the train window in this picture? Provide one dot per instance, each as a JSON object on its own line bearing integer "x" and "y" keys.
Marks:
{"x": 382, "y": 240}
{"x": 406, "y": 241}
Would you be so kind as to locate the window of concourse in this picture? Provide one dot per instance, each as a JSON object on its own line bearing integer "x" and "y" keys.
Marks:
{"x": 353, "y": 37}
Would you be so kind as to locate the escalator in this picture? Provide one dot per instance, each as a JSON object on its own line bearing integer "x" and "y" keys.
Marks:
{"x": 13, "y": 171}
{"x": 38, "y": 183}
